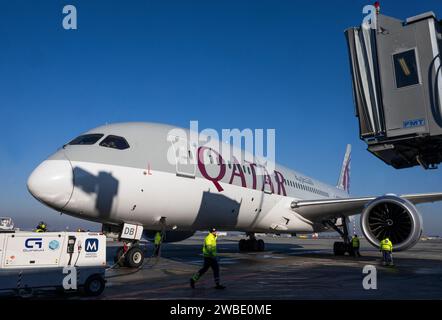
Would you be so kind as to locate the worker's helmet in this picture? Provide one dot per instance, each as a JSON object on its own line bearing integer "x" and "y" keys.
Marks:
{"x": 356, "y": 235}
{"x": 212, "y": 230}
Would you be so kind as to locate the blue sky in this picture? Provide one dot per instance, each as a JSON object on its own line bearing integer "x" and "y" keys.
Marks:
{"x": 228, "y": 64}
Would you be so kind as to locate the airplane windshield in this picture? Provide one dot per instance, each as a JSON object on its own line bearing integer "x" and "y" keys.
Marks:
{"x": 86, "y": 139}
{"x": 115, "y": 142}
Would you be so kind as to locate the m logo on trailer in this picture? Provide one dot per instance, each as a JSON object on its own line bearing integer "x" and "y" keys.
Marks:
{"x": 91, "y": 245}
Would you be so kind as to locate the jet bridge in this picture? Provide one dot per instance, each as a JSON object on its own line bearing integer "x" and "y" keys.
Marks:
{"x": 397, "y": 88}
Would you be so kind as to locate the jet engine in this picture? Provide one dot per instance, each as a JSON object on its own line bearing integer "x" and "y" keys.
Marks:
{"x": 393, "y": 217}
{"x": 170, "y": 236}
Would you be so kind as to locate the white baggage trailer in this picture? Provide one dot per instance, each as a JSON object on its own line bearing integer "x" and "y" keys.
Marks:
{"x": 31, "y": 261}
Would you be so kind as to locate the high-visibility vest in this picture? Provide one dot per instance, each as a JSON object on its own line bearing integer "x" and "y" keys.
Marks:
{"x": 157, "y": 240}
{"x": 355, "y": 242}
{"x": 209, "y": 248}
{"x": 386, "y": 245}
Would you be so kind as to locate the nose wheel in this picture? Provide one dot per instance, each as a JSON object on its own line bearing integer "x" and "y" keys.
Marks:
{"x": 132, "y": 257}
{"x": 251, "y": 244}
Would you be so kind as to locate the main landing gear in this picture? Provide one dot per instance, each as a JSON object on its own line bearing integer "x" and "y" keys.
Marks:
{"x": 251, "y": 244}
{"x": 129, "y": 255}
{"x": 340, "y": 248}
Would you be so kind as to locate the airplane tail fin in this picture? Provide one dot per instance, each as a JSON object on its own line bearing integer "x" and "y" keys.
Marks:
{"x": 344, "y": 178}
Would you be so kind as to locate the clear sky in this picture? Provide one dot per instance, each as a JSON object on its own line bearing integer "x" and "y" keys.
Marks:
{"x": 226, "y": 63}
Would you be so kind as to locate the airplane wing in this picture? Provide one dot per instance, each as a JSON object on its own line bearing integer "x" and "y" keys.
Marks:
{"x": 315, "y": 210}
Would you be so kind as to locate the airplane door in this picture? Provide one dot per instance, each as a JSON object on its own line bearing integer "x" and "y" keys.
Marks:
{"x": 184, "y": 156}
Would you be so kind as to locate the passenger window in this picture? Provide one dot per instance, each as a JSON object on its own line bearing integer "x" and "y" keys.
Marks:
{"x": 115, "y": 142}
{"x": 86, "y": 139}
{"x": 248, "y": 170}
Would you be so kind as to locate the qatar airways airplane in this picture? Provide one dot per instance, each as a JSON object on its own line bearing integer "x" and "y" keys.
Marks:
{"x": 121, "y": 175}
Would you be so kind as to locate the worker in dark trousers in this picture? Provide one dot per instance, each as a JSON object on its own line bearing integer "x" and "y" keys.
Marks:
{"x": 355, "y": 245}
{"x": 210, "y": 260}
{"x": 386, "y": 247}
{"x": 41, "y": 227}
{"x": 157, "y": 241}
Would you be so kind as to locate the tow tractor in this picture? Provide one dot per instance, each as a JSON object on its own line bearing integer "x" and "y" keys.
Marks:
{"x": 65, "y": 261}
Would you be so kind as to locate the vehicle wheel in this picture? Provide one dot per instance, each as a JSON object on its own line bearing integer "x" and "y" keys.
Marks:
{"x": 134, "y": 257}
{"x": 339, "y": 248}
{"x": 261, "y": 245}
{"x": 94, "y": 285}
{"x": 242, "y": 245}
{"x": 25, "y": 293}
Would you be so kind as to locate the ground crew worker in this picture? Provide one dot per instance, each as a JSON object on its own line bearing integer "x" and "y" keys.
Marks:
{"x": 387, "y": 248}
{"x": 355, "y": 245}
{"x": 210, "y": 260}
{"x": 41, "y": 227}
{"x": 157, "y": 241}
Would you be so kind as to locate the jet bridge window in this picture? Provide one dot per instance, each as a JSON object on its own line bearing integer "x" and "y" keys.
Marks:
{"x": 86, "y": 139}
{"x": 405, "y": 68}
{"x": 115, "y": 142}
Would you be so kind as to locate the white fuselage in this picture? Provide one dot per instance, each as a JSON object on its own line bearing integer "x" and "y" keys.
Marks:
{"x": 189, "y": 198}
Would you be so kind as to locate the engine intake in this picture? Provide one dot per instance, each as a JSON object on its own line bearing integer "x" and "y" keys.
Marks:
{"x": 393, "y": 217}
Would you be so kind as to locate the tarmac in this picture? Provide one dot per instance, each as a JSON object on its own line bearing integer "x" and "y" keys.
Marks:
{"x": 289, "y": 268}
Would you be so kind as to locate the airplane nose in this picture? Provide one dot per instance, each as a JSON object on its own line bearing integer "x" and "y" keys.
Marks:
{"x": 52, "y": 183}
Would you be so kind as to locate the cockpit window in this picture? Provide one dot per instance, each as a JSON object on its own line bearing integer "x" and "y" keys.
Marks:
{"x": 115, "y": 142}
{"x": 86, "y": 139}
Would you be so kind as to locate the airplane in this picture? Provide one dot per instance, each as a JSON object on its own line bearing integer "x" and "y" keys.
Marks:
{"x": 121, "y": 175}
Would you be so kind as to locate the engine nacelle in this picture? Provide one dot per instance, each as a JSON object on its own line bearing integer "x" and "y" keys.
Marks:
{"x": 170, "y": 236}
{"x": 393, "y": 217}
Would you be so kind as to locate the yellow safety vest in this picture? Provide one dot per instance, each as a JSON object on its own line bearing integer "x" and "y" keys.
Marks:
{"x": 209, "y": 248}
{"x": 157, "y": 238}
{"x": 386, "y": 245}
{"x": 355, "y": 242}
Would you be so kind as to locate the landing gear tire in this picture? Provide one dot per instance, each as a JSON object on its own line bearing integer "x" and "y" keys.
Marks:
{"x": 341, "y": 248}
{"x": 134, "y": 257}
{"x": 251, "y": 245}
{"x": 94, "y": 286}
{"x": 261, "y": 245}
{"x": 242, "y": 244}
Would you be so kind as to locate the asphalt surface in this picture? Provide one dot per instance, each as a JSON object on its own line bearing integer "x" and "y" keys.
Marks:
{"x": 290, "y": 268}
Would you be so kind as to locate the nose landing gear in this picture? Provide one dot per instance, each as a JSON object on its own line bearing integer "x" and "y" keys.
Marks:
{"x": 129, "y": 256}
{"x": 251, "y": 244}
